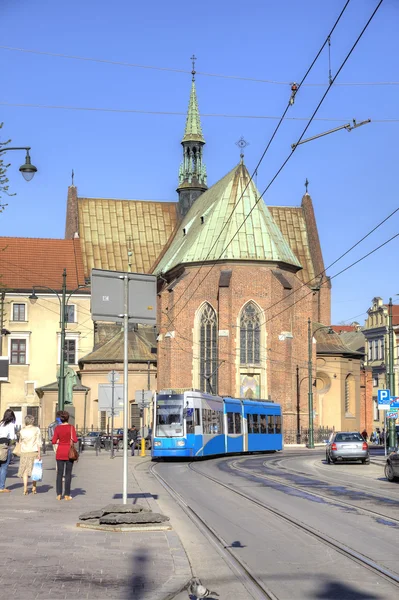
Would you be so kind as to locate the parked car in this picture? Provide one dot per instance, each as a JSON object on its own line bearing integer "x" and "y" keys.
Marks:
{"x": 347, "y": 445}
{"x": 392, "y": 466}
{"x": 91, "y": 438}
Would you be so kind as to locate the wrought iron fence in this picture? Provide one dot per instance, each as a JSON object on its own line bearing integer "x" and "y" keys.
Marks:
{"x": 320, "y": 434}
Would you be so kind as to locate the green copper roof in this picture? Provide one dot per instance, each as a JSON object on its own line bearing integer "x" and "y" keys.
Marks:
{"x": 207, "y": 233}
{"x": 193, "y": 131}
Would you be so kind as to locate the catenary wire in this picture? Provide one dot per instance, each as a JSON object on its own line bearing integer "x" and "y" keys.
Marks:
{"x": 183, "y": 114}
{"x": 289, "y": 156}
{"x": 186, "y": 71}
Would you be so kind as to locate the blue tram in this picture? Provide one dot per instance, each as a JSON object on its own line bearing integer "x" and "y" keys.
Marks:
{"x": 194, "y": 424}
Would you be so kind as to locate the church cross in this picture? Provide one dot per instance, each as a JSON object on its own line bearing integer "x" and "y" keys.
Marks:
{"x": 306, "y": 185}
{"x": 193, "y": 59}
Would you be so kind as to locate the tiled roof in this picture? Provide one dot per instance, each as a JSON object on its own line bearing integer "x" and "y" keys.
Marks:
{"x": 109, "y": 228}
{"x": 355, "y": 340}
{"x": 35, "y": 262}
{"x": 139, "y": 349}
{"x": 208, "y": 231}
{"x": 343, "y": 328}
{"x": 292, "y": 224}
{"x": 53, "y": 387}
{"x": 332, "y": 343}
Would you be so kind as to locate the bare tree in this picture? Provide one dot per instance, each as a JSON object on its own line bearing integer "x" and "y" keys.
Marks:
{"x": 3, "y": 175}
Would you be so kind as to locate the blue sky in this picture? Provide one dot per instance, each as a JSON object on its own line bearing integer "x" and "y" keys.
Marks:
{"x": 353, "y": 176}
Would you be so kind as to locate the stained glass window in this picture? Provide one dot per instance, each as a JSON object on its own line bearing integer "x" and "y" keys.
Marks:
{"x": 250, "y": 335}
{"x": 208, "y": 350}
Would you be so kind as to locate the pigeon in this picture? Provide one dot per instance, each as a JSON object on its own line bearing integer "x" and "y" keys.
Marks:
{"x": 199, "y": 591}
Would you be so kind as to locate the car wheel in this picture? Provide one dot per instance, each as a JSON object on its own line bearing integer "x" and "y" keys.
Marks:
{"x": 366, "y": 461}
{"x": 389, "y": 473}
{"x": 120, "y": 445}
{"x": 328, "y": 459}
{"x": 334, "y": 461}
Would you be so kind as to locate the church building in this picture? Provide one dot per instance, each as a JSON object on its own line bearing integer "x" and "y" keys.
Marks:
{"x": 237, "y": 280}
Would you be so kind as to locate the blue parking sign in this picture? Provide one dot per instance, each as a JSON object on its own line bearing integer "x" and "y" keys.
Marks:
{"x": 384, "y": 399}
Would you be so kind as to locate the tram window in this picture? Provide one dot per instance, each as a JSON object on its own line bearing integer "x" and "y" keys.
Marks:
{"x": 270, "y": 424}
{"x": 237, "y": 418}
{"x": 278, "y": 424}
{"x": 189, "y": 423}
{"x": 197, "y": 417}
{"x": 212, "y": 421}
{"x": 263, "y": 423}
{"x": 250, "y": 421}
{"x": 256, "y": 424}
{"x": 230, "y": 422}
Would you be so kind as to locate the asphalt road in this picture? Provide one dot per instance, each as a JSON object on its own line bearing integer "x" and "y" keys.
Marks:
{"x": 351, "y": 505}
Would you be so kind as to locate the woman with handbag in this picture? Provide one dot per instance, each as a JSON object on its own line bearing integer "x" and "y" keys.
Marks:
{"x": 31, "y": 444}
{"x": 7, "y": 434}
{"x": 65, "y": 437}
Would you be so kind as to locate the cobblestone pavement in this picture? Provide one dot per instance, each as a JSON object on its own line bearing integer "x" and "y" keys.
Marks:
{"x": 44, "y": 555}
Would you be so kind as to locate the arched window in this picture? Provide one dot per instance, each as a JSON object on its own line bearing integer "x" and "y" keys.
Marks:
{"x": 250, "y": 335}
{"x": 208, "y": 350}
{"x": 350, "y": 397}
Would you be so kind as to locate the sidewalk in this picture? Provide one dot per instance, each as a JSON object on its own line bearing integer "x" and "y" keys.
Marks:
{"x": 44, "y": 555}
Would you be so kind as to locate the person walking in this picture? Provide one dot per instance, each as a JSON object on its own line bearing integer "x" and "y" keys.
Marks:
{"x": 63, "y": 435}
{"x": 51, "y": 429}
{"x": 7, "y": 434}
{"x": 132, "y": 436}
{"x": 31, "y": 445}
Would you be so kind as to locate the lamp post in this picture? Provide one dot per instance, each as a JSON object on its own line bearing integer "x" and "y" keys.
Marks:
{"x": 63, "y": 300}
{"x": 27, "y": 169}
{"x": 310, "y": 377}
{"x": 391, "y": 422}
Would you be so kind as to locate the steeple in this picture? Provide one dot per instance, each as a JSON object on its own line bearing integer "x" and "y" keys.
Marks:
{"x": 192, "y": 172}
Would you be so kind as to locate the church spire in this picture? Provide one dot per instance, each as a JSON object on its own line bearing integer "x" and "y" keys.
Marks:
{"x": 192, "y": 172}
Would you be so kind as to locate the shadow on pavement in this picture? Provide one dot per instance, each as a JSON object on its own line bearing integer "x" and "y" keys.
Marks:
{"x": 341, "y": 591}
{"x": 136, "y": 496}
{"x": 138, "y": 585}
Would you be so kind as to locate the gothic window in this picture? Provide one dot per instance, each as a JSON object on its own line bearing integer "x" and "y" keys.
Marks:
{"x": 208, "y": 350}
{"x": 250, "y": 335}
{"x": 350, "y": 399}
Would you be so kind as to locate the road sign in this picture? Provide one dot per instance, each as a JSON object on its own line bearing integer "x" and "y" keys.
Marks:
{"x": 105, "y": 396}
{"x": 143, "y": 397}
{"x": 113, "y": 376}
{"x": 394, "y": 402}
{"x": 392, "y": 415}
{"x": 384, "y": 399}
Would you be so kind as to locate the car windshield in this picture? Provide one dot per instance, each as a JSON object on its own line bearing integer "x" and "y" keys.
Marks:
{"x": 348, "y": 437}
{"x": 169, "y": 420}
{"x": 93, "y": 434}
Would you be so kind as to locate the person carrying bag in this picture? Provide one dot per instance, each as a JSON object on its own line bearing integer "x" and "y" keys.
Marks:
{"x": 66, "y": 455}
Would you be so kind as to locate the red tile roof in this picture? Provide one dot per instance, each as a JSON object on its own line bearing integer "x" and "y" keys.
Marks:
{"x": 35, "y": 262}
{"x": 342, "y": 328}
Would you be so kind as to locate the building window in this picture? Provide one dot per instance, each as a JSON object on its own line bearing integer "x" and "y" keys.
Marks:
{"x": 381, "y": 349}
{"x": 103, "y": 420}
{"x": 350, "y": 397}
{"x": 18, "y": 352}
{"x": 250, "y": 335}
{"x": 19, "y": 312}
{"x": 376, "y": 412}
{"x": 70, "y": 352}
{"x": 370, "y": 350}
{"x": 375, "y": 381}
{"x": 70, "y": 313}
{"x": 208, "y": 350}
{"x": 34, "y": 412}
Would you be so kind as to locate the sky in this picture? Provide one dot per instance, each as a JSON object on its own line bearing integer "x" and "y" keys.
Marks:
{"x": 127, "y": 155}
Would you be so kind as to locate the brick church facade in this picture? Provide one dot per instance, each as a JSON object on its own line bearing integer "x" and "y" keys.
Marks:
{"x": 237, "y": 280}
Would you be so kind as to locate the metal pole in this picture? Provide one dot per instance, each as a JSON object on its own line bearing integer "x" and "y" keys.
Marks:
{"x": 84, "y": 415}
{"x": 61, "y": 383}
{"x": 125, "y": 383}
{"x": 391, "y": 422}
{"x": 112, "y": 413}
{"x": 142, "y": 453}
{"x": 310, "y": 384}
{"x": 298, "y": 407}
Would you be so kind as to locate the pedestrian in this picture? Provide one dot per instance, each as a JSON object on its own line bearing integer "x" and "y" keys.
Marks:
{"x": 7, "y": 434}
{"x": 132, "y": 437}
{"x": 364, "y": 434}
{"x": 51, "y": 429}
{"x": 31, "y": 445}
{"x": 63, "y": 435}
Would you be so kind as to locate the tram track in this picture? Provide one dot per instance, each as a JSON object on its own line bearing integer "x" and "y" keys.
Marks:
{"x": 344, "y": 550}
{"x": 254, "y": 586}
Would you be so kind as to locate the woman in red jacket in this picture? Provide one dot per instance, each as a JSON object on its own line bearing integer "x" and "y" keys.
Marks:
{"x": 63, "y": 434}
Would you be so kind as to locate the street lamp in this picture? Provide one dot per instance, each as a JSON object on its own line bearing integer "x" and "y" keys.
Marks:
{"x": 27, "y": 170}
{"x": 63, "y": 300}
{"x": 310, "y": 377}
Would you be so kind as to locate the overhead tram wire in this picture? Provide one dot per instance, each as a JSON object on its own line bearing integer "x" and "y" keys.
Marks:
{"x": 185, "y": 71}
{"x": 286, "y": 160}
{"x": 260, "y": 161}
{"x": 181, "y": 114}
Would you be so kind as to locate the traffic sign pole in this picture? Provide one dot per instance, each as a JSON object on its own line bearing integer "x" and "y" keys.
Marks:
{"x": 142, "y": 453}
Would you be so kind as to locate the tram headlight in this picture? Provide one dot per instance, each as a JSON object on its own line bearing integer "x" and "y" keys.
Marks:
{"x": 157, "y": 443}
{"x": 181, "y": 443}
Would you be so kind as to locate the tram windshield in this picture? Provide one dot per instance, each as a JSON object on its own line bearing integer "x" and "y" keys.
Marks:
{"x": 169, "y": 417}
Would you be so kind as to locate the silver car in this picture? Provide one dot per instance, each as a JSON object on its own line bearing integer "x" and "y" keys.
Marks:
{"x": 347, "y": 445}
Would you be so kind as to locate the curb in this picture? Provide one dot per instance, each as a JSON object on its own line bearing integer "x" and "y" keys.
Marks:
{"x": 182, "y": 569}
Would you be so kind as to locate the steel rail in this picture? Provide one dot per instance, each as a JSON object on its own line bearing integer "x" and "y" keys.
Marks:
{"x": 311, "y": 493}
{"x": 326, "y": 540}
{"x": 254, "y": 586}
